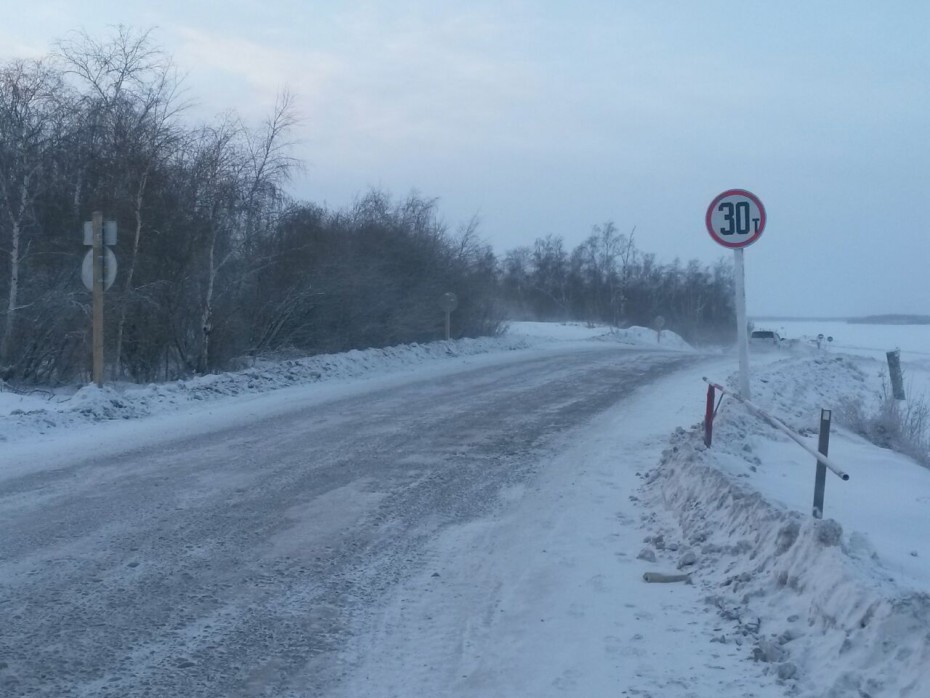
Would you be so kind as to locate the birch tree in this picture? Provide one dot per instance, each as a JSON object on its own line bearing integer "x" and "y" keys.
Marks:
{"x": 31, "y": 122}
{"x": 243, "y": 173}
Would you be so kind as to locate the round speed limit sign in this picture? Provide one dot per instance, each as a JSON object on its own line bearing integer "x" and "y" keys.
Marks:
{"x": 736, "y": 218}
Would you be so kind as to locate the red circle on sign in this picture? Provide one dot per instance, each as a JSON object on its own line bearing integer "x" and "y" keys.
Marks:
{"x": 757, "y": 223}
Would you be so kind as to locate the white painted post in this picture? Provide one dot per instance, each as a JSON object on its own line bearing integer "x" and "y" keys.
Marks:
{"x": 735, "y": 219}
{"x": 742, "y": 330}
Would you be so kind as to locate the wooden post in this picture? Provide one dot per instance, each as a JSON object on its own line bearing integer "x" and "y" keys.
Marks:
{"x": 894, "y": 371}
{"x": 820, "y": 479}
{"x": 448, "y": 302}
{"x": 98, "y": 281}
{"x": 657, "y": 325}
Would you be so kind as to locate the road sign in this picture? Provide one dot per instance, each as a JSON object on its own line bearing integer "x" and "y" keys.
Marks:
{"x": 448, "y": 302}
{"x": 109, "y": 269}
{"x": 109, "y": 233}
{"x": 735, "y": 218}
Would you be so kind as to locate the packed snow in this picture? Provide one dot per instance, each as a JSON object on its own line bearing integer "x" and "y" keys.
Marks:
{"x": 34, "y": 411}
{"x": 838, "y": 606}
{"x": 547, "y": 597}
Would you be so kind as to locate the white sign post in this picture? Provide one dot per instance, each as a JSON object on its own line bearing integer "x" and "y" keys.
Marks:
{"x": 736, "y": 219}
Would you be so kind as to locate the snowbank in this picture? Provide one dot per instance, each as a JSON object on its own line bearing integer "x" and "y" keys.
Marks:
{"x": 574, "y": 331}
{"x": 835, "y": 607}
{"x": 39, "y": 411}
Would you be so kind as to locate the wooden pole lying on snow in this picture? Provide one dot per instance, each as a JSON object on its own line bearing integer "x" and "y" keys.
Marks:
{"x": 660, "y": 578}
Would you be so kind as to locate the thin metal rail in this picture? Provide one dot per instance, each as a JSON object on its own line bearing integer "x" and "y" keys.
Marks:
{"x": 781, "y": 426}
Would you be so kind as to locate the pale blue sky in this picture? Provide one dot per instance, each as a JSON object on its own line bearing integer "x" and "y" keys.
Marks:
{"x": 549, "y": 117}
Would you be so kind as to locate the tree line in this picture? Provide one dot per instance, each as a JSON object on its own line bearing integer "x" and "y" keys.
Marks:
{"x": 607, "y": 279}
{"x": 218, "y": 263}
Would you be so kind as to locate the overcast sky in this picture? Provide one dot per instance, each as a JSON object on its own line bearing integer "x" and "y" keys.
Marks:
{"x": 550, "y": 117}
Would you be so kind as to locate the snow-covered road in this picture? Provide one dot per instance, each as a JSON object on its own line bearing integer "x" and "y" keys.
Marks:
{"x": 464, "y": 519}
{"x": 546, "y": 597}
{"x": 258, "y": 559}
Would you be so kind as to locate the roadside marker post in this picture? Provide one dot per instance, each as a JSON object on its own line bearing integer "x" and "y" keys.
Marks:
{"x": 820, "y": 479}
{"x": 657, "y": 325}
{"x": 735, "y": 219}
{"x": 894, "y": 372}
{"x": 709, "y": 417}
{"x": 448, "y": 302}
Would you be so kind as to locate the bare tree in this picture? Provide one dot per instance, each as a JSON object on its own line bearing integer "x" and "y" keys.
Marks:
{"x": 243, "y": 175}
{"x": 133, "y": 103}
{"x": 31, "y": 118}
{"x": 219, "y": 261}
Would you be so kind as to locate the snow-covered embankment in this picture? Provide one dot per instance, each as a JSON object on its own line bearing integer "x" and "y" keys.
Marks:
{"x": 826, "y": 603}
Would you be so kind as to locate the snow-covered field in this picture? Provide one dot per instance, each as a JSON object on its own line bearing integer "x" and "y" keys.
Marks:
{"x": 547, "y": 597}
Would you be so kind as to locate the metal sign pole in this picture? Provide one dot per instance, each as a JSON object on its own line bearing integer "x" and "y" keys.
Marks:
{"x": 448, "y": 302}
{"x": 98, "y": 281}
{"x": 742, "y": 329}
{"x": 894, "y": 371}
{"x": 735, "y": 219}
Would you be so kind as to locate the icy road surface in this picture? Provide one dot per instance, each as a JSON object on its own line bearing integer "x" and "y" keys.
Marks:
{"x": 237, "y": 562}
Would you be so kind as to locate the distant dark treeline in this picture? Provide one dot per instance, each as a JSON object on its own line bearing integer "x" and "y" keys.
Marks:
{"x": 607, "y": 279}
{"x": 217, "y": 262}
{"x": 891, "y": 320}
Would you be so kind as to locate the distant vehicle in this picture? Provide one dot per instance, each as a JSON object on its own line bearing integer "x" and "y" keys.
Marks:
{"x": 764, "y": 337}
